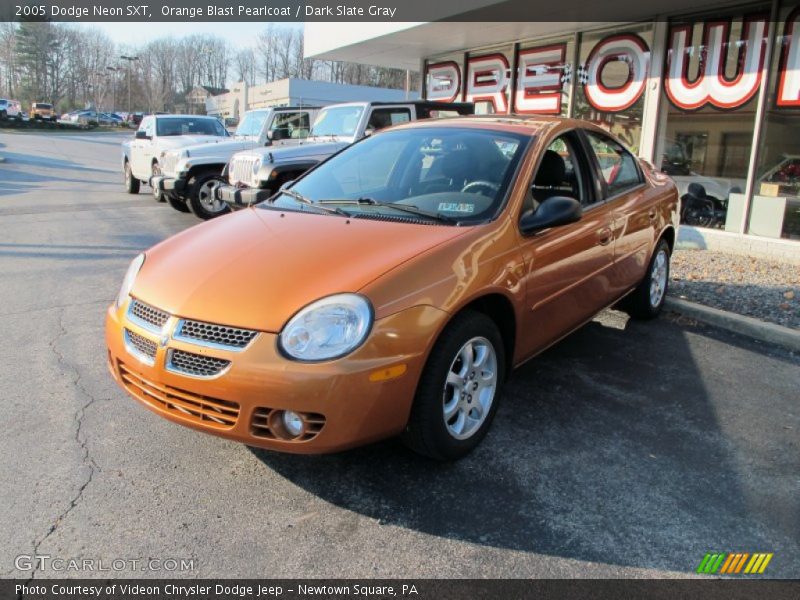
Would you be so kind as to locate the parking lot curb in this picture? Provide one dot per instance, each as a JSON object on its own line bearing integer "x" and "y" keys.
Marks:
{"x": 754, "y": 328}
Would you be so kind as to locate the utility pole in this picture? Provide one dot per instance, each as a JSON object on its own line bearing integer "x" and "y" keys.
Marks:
{"x": 130, "y": 59}
{"x": 114, "y": 70}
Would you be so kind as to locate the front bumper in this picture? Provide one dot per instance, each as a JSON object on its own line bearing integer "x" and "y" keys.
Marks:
{"x": 162, "y": 183}
{"x": 348, "y": 402}
{"x": 238, "y": 198}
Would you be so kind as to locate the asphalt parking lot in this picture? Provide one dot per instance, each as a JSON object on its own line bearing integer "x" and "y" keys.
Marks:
{"x": 628, "y": 450}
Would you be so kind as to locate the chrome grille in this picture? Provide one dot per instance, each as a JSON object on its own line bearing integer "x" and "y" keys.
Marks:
{"x": 210, "y": 334}
{"x": 140, "y": 346}
{"x": 209, "y": 412}
{"x": 148, "y": 316}
{"x": 196, "y": 365}
{"x": 241, "y": 169}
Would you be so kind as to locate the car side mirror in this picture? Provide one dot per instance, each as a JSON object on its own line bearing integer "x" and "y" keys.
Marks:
{"x": 285, "y": 185}
{"x": 142, "y": 135}
{"x": 554, "y": 211}
{"x": 369, "y": 132}
{"x": 271, "y": 134}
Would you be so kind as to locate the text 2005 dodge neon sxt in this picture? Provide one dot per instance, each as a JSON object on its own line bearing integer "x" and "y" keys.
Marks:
{"x": 392, "y": 289}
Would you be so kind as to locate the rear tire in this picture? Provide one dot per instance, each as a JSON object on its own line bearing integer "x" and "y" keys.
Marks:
{"x": 178, "y": 204}
{"x": 201, "y": 196}
{"x": 647, "y": 300}
{"x": 458, "y": 391}
{"x": 131, "y": 183}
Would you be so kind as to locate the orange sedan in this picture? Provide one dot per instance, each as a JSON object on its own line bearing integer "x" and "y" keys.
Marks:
{"x": 391, "y": 290}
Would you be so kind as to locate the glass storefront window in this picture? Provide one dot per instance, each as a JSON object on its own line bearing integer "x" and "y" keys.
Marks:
{"x": 544, "y": 76}
{"x": 541, "y": 86}
{"x": 487, "y": 80}
{"x": 612, "y": 78}
{"x": 775, "y": 207}
{"x": 710, "y": 92}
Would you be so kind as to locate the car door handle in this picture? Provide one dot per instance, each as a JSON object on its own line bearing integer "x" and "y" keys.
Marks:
{"x": 604, "y": 237}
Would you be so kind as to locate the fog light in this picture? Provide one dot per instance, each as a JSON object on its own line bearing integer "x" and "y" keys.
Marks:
{"x": 293, "y": 423}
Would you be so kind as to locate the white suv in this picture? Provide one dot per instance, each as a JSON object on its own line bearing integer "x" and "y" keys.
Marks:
{"x": 10, "y": 109}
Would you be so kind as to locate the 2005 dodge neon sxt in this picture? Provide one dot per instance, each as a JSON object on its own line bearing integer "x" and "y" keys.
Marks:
{"x": 390, "y": 290}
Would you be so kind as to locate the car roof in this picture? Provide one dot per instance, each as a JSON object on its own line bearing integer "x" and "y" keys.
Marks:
{"x": 184, "y": 116}
{"x": 528, "y": 125}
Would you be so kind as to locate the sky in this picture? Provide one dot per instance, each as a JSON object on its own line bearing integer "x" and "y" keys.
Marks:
{"x": 240, "y": 35}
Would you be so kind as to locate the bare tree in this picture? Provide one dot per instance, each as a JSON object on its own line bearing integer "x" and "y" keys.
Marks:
{"x": 246, "y": 65}
{"x": 75, "y": 65}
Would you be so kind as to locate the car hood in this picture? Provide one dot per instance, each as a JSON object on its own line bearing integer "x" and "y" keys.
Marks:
{"x": 257, "y": 267}
{"x": 300, "y": 151}
{"x": 181, "y": 141}
{"x": 221, "y": 147}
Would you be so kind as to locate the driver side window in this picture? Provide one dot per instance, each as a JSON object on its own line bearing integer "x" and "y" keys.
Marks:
{"x": 559, "y": 174}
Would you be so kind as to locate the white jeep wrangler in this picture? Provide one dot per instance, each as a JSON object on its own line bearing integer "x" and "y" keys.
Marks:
{"x": 158, "y": 134}
{"x": 189, "y": 174}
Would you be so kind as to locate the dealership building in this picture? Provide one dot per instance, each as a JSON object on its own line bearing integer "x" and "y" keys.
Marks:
{"x": 712, "y": 96}
{"x": 232, "y": 104}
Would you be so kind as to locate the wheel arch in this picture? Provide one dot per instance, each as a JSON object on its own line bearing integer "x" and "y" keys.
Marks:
{"x": 198, "y": 169}
{"x": 500, "y": 309}
{"x": 285, "y": 172}
{"x": 669, "y": 236}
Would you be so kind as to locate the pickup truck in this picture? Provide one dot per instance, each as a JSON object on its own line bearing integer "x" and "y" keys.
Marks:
{"x": 157, "y": 134}
{"x": 255, "y": 175}
{"x": 189, "y": 174}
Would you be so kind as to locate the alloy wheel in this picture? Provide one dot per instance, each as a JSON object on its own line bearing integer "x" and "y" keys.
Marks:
{"x": 470, "y": 388}
{"x": 658, "y": 278}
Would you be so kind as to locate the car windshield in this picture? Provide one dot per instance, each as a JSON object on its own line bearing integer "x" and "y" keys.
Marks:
{"x": 43, "y": 106}
{"x": 439, "y": 175}
{"x": 338, "y": 121}
{"x": 252, "y": 124}
{"x": 188, "y": 126}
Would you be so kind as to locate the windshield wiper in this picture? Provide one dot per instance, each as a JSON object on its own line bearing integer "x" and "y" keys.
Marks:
{"x": 408, "y": 208}
{"x": 303, "y": 200}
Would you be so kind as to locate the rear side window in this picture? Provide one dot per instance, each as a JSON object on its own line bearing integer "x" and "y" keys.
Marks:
{"x": 618, "y": 167}
{"x": 386, "y": 117}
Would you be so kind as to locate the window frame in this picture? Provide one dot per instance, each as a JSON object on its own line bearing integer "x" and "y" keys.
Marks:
{"x": 585, "y": 163}
{"x": 606, "y": 195}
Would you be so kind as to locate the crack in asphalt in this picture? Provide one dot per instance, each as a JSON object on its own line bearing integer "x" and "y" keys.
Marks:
{"x": 86, "y": 459}
{"x": 49, "y": 308}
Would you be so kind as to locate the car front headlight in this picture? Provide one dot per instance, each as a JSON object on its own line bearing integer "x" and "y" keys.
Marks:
{"x": 130, "y": 278}
{"x": 328, "y": 328}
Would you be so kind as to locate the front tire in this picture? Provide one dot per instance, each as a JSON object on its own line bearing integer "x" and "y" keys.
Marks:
{"x": 647, "y": 300}
{"x": 458, "y": 392}
{"x": 177, "y": 203}
{"x": 131, "y": 183}
{"x": 201, "y": 196}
